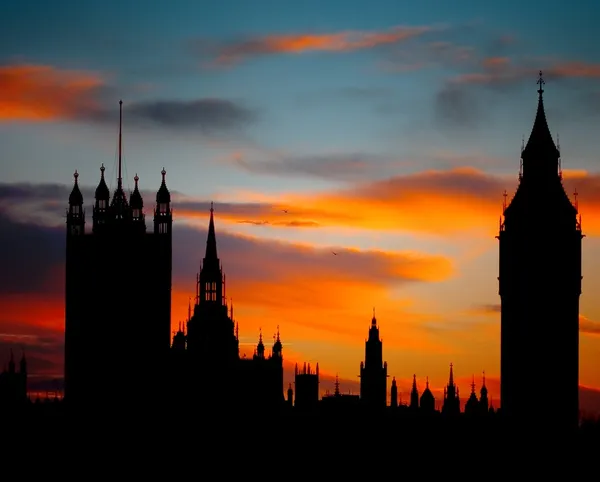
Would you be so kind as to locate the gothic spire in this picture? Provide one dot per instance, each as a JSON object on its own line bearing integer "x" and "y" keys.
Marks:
{"x": 211, "y": 240}
{"x": 540, "y": 152}
{"x": 451, "y": 379}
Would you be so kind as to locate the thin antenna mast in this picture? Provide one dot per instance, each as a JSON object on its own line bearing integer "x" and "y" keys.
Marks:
{"x": 120, "y": 178}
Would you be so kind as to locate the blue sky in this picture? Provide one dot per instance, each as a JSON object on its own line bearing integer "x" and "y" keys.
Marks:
{"x": 278, "y": 102}
{"x": 313, "y": 103}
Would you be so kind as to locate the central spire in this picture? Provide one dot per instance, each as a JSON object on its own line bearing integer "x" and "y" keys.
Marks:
{"x": 211, "y": 240}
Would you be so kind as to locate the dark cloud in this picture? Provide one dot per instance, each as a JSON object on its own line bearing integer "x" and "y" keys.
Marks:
{"x": 456, "y": 106}
{"x": 207, "y": 115}
{"x": 31, "y": 257}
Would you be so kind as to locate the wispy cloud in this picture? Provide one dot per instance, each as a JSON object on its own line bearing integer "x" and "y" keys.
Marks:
{"x": 345, "y": 41}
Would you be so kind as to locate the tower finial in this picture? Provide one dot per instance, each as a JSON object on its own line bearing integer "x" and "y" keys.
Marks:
{"x": 102, "y": 169}
{"x": 212, "y": 209}
{"x": 541, "y": 83}
{"x": 136, "y": 179}
{"x": 75, "y": 175}
{"x": 163, "y": 174}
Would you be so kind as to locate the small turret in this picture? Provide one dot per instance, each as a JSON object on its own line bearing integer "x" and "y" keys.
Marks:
{"x": 137, "y": 206}
{"x": 277, "y": 346}
{"x": 100, "y": 212}
{"x": 163, "y": 216}
{"x": 260, "y": 348}
{"x": 427, "y": 404}
{"x": 75, "y": 212}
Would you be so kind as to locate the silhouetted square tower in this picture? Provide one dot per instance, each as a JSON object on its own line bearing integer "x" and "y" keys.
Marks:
{"x": 117, "y": 294}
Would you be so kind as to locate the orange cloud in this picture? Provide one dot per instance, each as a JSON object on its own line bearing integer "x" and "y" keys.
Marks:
{"x": 327, "y": 42}
{"x": 436, "y": 202}
{"x": 42, "y": 93}
{"x": 432, "y": 202}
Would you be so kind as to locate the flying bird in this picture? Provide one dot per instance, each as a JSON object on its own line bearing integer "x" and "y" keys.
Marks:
{"x": 284, "y": 210}
{"x": 334, "y": 253}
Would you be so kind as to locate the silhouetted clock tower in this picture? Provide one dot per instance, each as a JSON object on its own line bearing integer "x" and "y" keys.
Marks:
{"x": 539, "y": 285}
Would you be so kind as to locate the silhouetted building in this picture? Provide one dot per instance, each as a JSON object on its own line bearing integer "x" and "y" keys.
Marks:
{"x": 117, "y": 294}
{"x": 451, "y": 396}
{"x": 427, "y": 404}
{"x": 484, "y": 405}
{"x": 472, "y": 405}
{"x": 414, "y": 395}
{"x": 540, "y": 284}
{"x": 373, "y": 371}
{"x": 339, "y": 403}
{"x": 394, "y": 394}
{"x": 13, "y": 383}
{"x": 306, "y": 382}
{"x": 208, "y": 355}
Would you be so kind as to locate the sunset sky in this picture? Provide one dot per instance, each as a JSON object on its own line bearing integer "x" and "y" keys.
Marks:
{"x": 387, "y": 130}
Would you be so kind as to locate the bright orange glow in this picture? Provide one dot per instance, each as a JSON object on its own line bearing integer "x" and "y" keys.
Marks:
{"x": 432, "y": 202}
{"x": 43, "y": 93}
